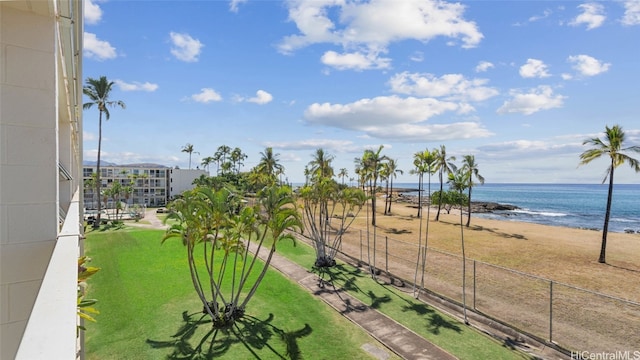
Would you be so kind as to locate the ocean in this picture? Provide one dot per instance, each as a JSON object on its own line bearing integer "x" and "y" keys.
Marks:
{"x": 570, "y": 205}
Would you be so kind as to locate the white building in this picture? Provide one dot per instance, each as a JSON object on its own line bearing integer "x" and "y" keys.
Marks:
{"x": 182, "y": 179}
{"x": 151, "y": 184}
{"x": 40, "y": 177}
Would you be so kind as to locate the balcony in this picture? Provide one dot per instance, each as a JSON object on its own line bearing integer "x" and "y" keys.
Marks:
{"x": 51, "y": 329}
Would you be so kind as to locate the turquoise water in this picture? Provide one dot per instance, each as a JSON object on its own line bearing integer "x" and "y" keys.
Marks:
{"x": 570, "y": 205}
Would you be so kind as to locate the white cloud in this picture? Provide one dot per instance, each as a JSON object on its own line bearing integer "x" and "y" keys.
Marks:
{"x": 587, "y": 65}
{"x": 332, "y": 145}
{"x": 537, "y": 99}
{"x": 86, "y": 136}
{"x": 136, "y": 86}
{"x": 233, "y": 5}
{"x": 262, "y": 97}
{"x": 97, "y": 49}
{"x": 417, "y": 56}
{"x": 592, "y": 16}
{"x": 394, "y": 117}
{"x": 185, "y": 47}
{"x": 355, "y": 61}
{"x": 484, "y": 66}
{"x": 376, "y": 23}
{"x": 544, "y": 15}
{"x": 92, "y": 12}
{"x": 206, "y": 95}
{"x": 448, "y": 86}
{"x": 631, "y": 13}
{"x": 534, "y": 68}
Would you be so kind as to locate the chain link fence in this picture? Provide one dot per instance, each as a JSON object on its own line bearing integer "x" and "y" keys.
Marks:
{"x": 576, "y": 319}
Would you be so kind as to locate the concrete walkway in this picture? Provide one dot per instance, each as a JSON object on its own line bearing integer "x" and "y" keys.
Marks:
{"x": 397, "y": 338}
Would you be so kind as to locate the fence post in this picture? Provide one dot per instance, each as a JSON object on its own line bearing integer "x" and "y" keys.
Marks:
{"x": 551, "y": 311}
{"x": 386, "y": 254}
{"x": 474, "y": 285}
{"x": 360, "y": 246}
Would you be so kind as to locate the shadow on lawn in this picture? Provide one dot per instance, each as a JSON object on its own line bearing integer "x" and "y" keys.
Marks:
{"x": 252, "y": 333}
{"x": 344, "y": 278}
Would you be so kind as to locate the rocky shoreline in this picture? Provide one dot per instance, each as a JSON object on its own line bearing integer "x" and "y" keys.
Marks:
{"x": 476, "y": 206}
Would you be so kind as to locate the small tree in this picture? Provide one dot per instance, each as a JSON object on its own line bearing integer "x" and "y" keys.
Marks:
{"x": 328, "y": 210}
{"x": 229, "y": 237}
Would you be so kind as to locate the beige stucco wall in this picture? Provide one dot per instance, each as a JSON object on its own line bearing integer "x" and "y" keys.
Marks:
{"x": 28, "y": 165}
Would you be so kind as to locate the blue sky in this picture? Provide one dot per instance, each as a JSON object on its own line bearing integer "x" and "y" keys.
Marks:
{"x": 518, "y": 84}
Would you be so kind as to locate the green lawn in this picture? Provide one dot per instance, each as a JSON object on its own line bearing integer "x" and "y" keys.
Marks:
{"x": 149, "y": 310}
{"x": 448, "y": 333}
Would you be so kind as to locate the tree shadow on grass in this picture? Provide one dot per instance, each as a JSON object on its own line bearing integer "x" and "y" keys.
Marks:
{"x": 252, "y": 333}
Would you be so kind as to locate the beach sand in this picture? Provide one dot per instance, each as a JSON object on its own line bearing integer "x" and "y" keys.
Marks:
{"x": 561, "y": 254}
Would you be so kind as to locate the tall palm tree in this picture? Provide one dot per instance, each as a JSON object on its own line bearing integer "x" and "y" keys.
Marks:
{"x": 423, "y": 162}
{"x": 206, "y": 162}
{"x": 443, "y": 165}
{"x": 343, "y": 174}
{"x": 391, "y": 171}
{"x": 98, "y": 92}
{"x": 320, "y": 165}
{"x": 237, "y": 157}
{"x": 189, "y": 149}
{"x": 222, "y": 153}
{"x": 611, "y": 146}
{"x": 370, "y": 166}
{"x": 470, "y": 166}
{"x": 459, "y": 181}
{"x": 269, "y": 165}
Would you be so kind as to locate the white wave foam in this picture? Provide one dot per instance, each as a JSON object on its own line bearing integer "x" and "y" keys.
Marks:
{"x": 541, "y": 213}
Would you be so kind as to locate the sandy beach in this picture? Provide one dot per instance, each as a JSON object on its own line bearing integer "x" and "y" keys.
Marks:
{"x": 561, "y": 254}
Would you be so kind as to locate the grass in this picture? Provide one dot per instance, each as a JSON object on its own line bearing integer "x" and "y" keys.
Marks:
{"x": 149, "y": 310}
{"x": 448, "y": 333}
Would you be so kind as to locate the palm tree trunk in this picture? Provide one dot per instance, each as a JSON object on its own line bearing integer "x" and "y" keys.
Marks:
{"x": 464, "y": 272}
{"x": 439, "y": 198}
{"x": 96, "y": 224}
{"x": 605, "y": 228}
{"x": 469, "y": 208}
{"x": 420, "y": 194}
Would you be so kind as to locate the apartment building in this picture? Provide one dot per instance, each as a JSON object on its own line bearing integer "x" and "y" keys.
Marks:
{"x": 40, "y": 177}
{"x": 150, "y": 185}
{"x": 147, "y": 184}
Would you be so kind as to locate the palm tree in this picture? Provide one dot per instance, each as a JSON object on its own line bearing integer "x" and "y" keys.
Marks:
{"x": 206, "y": 162}
{"x": 470, "y": 166}
{"x": 269, "y": 165}
{"x": 443, "y": 164}
{"x": 611, "y": 146}
{"x": 369, "y": 167}
{"x": 391, "y": 171}
{"x": 320, "y": 165}
{"x": 459, "y": 181}
{"x": 237, "y": 156}
{"x": 222, "y": 153}
{"x": 423, "y": 161}
{"x": 98, "y": 91}
{"x": 343, "y": 174}
{"x": 189, "y": 149}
